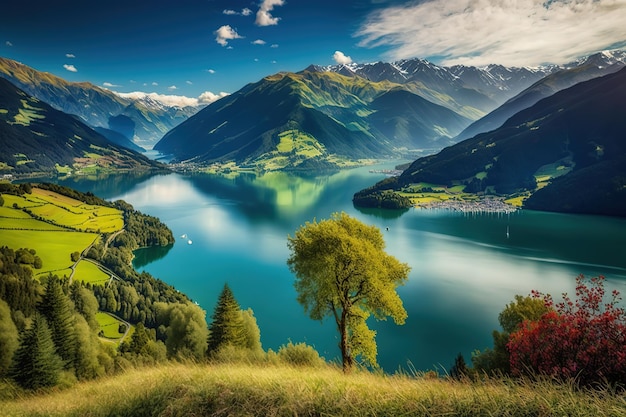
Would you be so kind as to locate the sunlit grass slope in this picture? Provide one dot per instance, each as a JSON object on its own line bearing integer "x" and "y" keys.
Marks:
{"x": 248, "y": 390}
{"x": 55, "y": 226}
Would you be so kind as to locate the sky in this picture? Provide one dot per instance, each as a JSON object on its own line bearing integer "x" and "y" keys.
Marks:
{"x": 198, "y": 50}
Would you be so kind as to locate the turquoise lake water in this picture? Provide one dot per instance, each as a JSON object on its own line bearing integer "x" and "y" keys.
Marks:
{"x": 464, "y": 266}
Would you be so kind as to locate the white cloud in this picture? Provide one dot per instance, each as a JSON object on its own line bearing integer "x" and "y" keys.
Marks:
{"x": 173, "y": 100}
{"x": 70, "y": 56}
{"x": 479, "y": 32}
{"x": 244, "y": 12}
{"x": 341, "y": 58}
{"x": 211, "y": 71}
{"x": 274, "y": 45}
{"x": 8, "y": 43}
{"x": 154, "y": 83}
{"x": 172, "y": 88}
{"x": 110, "y": 85}
{"x": 264, "y": 17}
{"x": 70, "y": 68}
{"x": 226, "y": 33}
{"x": 189, "y": 82}
{"x": 208, "y": 97}
{"x": 259, "y": 42}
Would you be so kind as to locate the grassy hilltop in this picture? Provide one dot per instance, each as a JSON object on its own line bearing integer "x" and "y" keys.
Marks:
{"x": 242, "y": 389}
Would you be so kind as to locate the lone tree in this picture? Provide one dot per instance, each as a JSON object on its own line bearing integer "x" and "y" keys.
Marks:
{"x": 343, "y": 271}
{"x": 228, "y": 327}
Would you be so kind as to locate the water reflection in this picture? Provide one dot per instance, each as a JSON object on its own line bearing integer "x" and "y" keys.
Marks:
{"x": 106, "y": 185}
{"x": 382, "y": 213}
{"x": 146, "y": 256}
{"x": 281, "y": 197}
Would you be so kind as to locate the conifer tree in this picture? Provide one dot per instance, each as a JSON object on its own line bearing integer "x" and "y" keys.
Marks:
{"x": 227, "y": 327}
{"x": 139, "y": 340}
{"x": 36, "y": 363}
{"x": 459, "y": 369}
{"x": 58, "y": 310}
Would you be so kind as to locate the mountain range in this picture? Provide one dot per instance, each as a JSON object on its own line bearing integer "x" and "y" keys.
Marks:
{"x": 326, "y": 114}
{"x": 573, "y": 141}
{"x": 470, "y": 91}
{"x": 402, "y": 109}
{"x": 36, "y": 138}
{"x": 585, "y": 69}
{"x": 97, "y": 106}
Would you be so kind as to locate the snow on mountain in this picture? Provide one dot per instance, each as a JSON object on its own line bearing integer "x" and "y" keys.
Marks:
{"x": 498, "y": 83}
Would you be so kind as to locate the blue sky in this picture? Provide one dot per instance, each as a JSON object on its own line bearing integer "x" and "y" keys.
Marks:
{"x": 197, "y": 48}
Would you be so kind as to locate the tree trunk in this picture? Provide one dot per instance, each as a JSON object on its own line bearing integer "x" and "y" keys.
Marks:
{"x": 346, "y": 354}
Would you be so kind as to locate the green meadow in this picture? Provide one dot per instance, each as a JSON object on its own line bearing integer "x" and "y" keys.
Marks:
{"x": 69, "y": 212}
{"x": 53, "y": 247}
{"x": 109, "y": 325}
{"x": 89, "y": 272}
{"x": 56, "y": 226}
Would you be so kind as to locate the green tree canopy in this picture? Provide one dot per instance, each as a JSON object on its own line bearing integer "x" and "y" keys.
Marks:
{"x": 36, "y": 363}
{"x": 8, "y": 337}
{"x": 511, "y": 317}
{"x": 59, "y": 312}
{"x": 343, "y": 271}
{"x": 251, "y": 332}
{"x": 227, "y": 327}
{"x": 186, "y": 329}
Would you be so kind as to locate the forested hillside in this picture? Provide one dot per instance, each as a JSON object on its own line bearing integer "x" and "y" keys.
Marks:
{"x": 53, "y": 314}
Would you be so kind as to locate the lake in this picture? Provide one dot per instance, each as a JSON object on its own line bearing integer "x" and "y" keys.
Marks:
{"x": 465, "y": 268}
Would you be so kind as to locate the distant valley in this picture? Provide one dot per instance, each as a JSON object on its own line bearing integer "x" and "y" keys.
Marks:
{"x": 142, "y": 121}
{"x": 37, "y": 139}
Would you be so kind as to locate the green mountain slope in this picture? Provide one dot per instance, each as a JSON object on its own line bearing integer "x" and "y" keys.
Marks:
{"x": 541, "y": 89}
{"x": 35, "y": 138}
{"x": 568, "y": 151}
{"x": 95, "y": 105}
{"x": 402, "y": 116}
{"x": 345, "y": 117}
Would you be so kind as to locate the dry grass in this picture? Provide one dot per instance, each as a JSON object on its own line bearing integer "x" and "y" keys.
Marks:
{"x": 249, "y": 390}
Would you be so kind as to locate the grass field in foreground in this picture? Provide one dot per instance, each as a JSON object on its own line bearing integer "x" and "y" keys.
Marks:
{"x": 278, "y": 390}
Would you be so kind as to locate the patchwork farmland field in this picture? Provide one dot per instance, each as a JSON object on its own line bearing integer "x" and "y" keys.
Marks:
{"x": 56, "y": 226}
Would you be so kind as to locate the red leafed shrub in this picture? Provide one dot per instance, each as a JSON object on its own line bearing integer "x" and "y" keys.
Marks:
{"x": 583, "y": 339}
